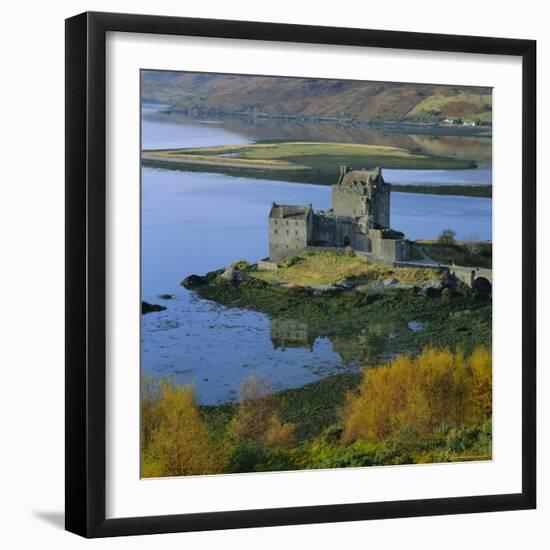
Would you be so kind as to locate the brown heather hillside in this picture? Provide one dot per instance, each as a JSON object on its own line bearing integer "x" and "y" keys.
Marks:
{"x": 231, "y": 94}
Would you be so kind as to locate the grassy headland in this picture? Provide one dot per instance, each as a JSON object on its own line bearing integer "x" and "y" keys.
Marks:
{"x": 307, "y": 162}
{"x": 324, "y": 268}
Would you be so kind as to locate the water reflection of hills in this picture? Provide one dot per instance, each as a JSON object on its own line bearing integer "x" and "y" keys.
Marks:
{"x": 363, "y": 345}
{"x": 477, "y": 148}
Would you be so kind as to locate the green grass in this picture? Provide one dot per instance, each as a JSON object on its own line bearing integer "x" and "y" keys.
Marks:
{"x": 322, "y": 268}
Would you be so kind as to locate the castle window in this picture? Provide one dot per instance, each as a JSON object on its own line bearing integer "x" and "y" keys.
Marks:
{"x": 296, "y": 232}
{"x": 287, "y": 231}
{"x": 276, "y": 231}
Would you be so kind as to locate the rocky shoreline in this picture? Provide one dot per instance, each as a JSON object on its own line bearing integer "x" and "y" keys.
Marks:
{"x": 451, "y": 314}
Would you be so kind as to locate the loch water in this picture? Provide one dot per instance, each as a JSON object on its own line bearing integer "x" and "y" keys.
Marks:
{"x": 195, "y": 222}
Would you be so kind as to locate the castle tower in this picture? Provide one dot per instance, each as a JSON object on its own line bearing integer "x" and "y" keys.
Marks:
{"x": 362, "y": 194}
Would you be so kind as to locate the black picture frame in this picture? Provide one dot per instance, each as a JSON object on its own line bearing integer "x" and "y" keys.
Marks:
{"x": 86, "y": 269}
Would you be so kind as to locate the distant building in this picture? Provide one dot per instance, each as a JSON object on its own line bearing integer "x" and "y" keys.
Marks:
{"x": 359, "y": 218}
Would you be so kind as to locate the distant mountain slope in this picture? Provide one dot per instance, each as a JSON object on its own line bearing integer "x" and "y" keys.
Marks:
{"x": 202, "y": 93}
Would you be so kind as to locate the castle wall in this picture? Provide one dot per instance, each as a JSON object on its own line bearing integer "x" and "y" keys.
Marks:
{"x": 346, "y": 229}
{"x": 334, "y": 231}
{"x": 380, "y": 206}
{"x": 358, "y": 201}
{"x": 348, "y": 201}
{"x": 362, "y": 242}
{"x": 288, "y": 236}
{"x": 390, "y": 250}
{"x": 324, "y": 231}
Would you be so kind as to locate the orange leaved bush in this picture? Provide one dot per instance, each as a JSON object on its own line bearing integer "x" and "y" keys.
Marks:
{"x": 257, "y": 418}
{"x": 433, "y": 391}
{"x": 176, "y": 440}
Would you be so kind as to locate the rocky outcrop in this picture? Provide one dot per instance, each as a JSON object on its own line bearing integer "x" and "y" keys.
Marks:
{"x": 146, "y": 307}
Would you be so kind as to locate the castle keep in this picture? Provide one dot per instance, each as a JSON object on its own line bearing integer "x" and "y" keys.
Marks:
{"x": 359, "y": 218}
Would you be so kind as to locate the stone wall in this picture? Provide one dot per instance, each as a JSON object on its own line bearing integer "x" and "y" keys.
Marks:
{"x": 324, "y": 231}
{"x": 360, "y": 200}
{"x": 331, "y": 230}
{"x": 469, "y": 275}
{"x": 379, "y": 206}
{"x": 288, "y": 236}
{"x": 390, "y": 250}
{"x": 348, "y": 201}
{"x": 362, "y": 242}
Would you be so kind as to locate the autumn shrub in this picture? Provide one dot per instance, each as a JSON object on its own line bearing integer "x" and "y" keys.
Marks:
{"x": 150, "y": 393}
{"x": 175, "y": 439}
{"x": 420, "y": 396}
{"x": 257, "y": 419}
{"x": 279, "y": 434}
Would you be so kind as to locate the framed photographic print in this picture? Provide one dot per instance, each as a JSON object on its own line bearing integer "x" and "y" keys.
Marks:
{"x": 300, "y": 274}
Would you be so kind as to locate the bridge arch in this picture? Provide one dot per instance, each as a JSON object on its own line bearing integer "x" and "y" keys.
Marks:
{"x": 469, "y": 275}
{"x": 482, "y": 283}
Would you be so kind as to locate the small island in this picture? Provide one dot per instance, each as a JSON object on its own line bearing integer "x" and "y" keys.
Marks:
{"x": 338, "y": 269}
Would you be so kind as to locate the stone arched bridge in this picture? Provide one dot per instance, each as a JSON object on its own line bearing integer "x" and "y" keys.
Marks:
{"x": 472, "y": 276}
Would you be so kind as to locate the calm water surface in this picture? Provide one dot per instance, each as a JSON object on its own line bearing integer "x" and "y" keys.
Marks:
{"x": 196, "y": 222}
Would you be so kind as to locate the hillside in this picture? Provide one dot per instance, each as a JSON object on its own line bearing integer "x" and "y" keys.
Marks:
{"x": 214, "y": 94}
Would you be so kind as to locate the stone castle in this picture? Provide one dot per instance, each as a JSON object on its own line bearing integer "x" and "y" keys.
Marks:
{"x": 359, "y": 218}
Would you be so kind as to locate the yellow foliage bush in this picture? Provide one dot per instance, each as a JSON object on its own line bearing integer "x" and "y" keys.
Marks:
{"x": 257, "y": 418}
{"x": 435, "y": 390}
{"x": 279, "y": 434}
{"x": 176, "y": 441}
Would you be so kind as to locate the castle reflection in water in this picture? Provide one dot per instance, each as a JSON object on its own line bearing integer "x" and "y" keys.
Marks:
{"x": 364, "y": 345}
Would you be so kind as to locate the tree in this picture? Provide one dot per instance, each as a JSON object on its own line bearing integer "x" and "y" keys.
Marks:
{"x": 257, "y": 419}
{"x": 179, "y": 442}
{"x": 447, "y": 237}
